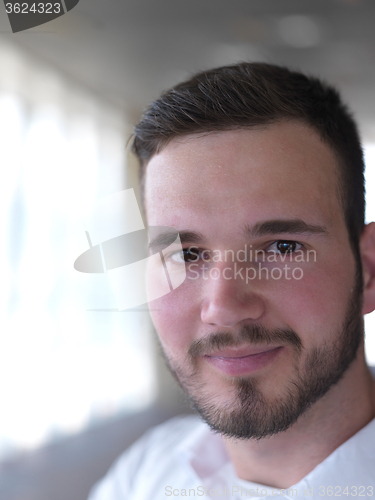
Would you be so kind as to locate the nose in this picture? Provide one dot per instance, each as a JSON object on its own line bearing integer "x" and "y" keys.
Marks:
{"x": 227, "y": 302}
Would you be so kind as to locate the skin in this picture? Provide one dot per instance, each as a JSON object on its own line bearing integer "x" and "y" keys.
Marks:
{"x": 216, "y": 184}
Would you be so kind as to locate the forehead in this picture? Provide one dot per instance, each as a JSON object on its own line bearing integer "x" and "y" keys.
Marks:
{"x": 283, "y": 169}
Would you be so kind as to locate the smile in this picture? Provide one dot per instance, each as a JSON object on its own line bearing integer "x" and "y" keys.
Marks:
{"x": 243, "y": 361}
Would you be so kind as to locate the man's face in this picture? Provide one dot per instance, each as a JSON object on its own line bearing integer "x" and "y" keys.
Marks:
{"x": 255, "y": 349}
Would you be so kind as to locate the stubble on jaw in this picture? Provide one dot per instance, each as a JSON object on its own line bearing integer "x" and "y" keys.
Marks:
{"x": 248, "y": 413}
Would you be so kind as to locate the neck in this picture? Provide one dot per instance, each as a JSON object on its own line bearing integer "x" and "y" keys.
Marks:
{"x": 283, "y": 460}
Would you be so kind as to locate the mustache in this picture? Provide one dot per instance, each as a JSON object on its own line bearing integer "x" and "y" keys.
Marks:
{"x": 253, "y": 334}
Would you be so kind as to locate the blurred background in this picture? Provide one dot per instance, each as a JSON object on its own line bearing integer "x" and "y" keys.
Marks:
{"x": 78, "y": 385}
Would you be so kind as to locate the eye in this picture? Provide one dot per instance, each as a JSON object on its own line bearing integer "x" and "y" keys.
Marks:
{"x": 191, "y": 254}
{"x": 284, "y": 246}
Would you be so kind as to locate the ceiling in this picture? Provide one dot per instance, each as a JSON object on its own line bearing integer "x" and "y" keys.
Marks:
{"x": 128, "y": 51}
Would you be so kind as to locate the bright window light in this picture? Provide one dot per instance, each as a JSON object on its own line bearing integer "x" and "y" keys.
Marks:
{"x": 62, "y": 367}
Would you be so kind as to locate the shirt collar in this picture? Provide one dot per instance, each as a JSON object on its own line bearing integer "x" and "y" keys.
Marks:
{"x": 198, "y": 446}
{"x": 354, "y": 460}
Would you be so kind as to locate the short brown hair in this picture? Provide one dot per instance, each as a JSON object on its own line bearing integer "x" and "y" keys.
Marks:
{"x": 250, "y": 94}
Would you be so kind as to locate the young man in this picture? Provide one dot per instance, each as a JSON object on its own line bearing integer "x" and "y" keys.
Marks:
{"x": 260, "y": 170}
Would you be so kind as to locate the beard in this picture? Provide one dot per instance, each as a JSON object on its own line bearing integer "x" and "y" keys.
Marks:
{"x": 247, "y": 413}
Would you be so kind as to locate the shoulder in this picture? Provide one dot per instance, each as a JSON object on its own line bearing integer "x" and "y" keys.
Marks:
{"x": 160, "y": 445}
{"x": 166, "y": 436}
{"x": 173, "y": 429}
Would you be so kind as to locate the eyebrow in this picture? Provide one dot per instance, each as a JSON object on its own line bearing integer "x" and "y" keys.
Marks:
{"x": 168, "y": 237}
{"x": 278, "y": 226}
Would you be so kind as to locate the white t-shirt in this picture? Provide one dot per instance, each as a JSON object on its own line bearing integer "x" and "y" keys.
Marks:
{"x": 183, "y": 458}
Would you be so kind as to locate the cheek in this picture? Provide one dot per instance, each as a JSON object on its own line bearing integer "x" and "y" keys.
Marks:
{"x": 315, "y": 306}
{"x": 176, "y": 318}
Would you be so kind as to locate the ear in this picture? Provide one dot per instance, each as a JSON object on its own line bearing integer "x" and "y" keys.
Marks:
{"x": 367, "y": 249}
